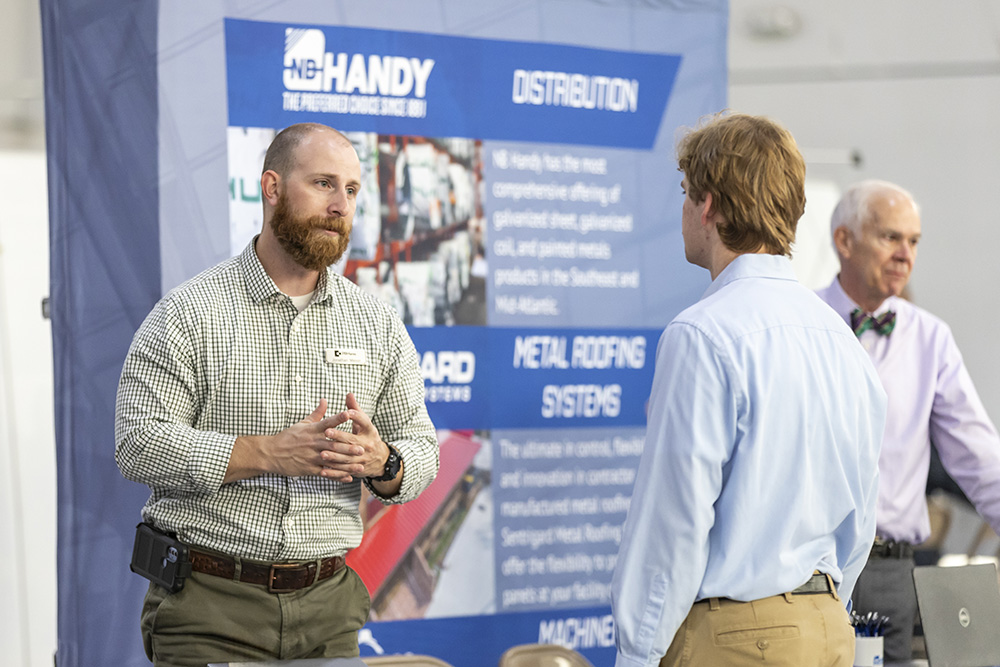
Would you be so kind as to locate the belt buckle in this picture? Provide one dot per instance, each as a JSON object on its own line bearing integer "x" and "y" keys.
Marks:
{"x": 882, "y": 548}
{"x": 275, "y": 569}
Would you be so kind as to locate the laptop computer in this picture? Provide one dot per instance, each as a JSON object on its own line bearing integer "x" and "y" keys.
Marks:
{"x": 960, "y": 614}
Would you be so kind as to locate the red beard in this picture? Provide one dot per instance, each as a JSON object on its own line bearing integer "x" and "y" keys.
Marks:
{"x": 303, "y": 238}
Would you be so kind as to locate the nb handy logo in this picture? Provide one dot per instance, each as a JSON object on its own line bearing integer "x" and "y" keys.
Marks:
{"x": 309, "y": 67}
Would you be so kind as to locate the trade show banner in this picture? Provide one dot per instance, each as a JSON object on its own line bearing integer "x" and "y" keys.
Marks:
{"x": 520, "y": 210}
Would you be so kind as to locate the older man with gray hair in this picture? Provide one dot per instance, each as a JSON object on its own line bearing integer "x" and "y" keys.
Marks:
{"x": 876, "y": 229}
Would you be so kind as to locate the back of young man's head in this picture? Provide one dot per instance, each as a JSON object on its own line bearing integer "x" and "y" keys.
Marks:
{"x": 756, "y": 176}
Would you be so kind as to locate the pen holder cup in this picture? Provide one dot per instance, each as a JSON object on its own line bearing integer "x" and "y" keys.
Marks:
{"x": 868, "y": 652}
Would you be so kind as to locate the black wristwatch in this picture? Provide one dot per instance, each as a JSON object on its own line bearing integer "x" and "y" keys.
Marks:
{"x": 392, "y": 465}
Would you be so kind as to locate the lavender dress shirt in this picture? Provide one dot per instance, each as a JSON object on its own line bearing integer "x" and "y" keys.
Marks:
{"x": 931, "y": 398}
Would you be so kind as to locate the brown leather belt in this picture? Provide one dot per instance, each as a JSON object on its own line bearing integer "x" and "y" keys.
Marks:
{"x": 278, "y": 577}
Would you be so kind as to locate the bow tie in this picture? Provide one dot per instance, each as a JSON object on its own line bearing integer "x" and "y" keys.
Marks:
{"x": 882, "y": 325}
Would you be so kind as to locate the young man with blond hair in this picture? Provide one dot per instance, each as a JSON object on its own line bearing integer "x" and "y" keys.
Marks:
{"x": 754, "y": 505}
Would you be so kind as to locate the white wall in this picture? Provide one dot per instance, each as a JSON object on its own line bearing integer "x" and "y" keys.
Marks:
{"x": 914, "y": 87}
{"x": 27, "y": 440}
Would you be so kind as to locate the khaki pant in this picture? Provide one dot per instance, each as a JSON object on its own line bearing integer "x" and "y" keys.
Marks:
{"x": 213, "y": 619}
{"x": 787, "y": 630}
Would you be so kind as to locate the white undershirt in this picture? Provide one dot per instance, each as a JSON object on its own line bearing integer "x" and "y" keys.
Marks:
{"x": 300, "y": 302}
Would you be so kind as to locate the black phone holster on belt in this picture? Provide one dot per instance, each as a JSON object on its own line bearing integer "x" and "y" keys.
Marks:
{"x": 160, "y": 557}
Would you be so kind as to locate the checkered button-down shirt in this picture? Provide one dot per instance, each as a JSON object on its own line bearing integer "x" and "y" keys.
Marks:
{"x": 227, "y": 354}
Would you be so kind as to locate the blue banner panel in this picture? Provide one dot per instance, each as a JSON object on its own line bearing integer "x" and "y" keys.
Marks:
{"x": 490, "y": 377}
{"x": 101, "y": 122}
{"x": 454, "y": 361}
{"x": 559, "y": 502}
{"x": 437, "y": 85}
{"x": 566, "y": 235}
{"x": 569, "y": 378}
{"x": 587, "y": 630}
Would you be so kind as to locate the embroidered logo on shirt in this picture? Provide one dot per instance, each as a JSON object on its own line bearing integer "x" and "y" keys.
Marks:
{"x": 346, "y": 355}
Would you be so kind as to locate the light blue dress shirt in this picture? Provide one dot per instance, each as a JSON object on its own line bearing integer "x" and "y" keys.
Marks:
{"x": 761, "y": 456}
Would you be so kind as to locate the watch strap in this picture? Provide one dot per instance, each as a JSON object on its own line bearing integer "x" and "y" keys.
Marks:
{"x": 392, "y": 466}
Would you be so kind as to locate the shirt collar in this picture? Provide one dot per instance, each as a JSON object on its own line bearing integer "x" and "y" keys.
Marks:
{"x": 752, "y": 265}
{"x": 844, "y": 305}
{"x": 261, "y": 287}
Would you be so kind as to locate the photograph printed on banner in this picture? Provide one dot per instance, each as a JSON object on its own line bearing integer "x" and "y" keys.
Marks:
{"x": 433, "y": 556}
{"x": 418, "y": 237}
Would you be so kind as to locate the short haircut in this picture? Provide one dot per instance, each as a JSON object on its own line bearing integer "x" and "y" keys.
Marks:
{"x": 756, "y": 176}
{"x": 856, "y": 205}
{"x": 280, "y": 156}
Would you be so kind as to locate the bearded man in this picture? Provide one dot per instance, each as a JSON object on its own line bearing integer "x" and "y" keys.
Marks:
{"x": 222, "y": 412}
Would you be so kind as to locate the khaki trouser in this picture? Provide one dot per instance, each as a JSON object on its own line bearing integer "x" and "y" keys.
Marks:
{"x": 213, "y": 619}
{"x": 787, "y": 630}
